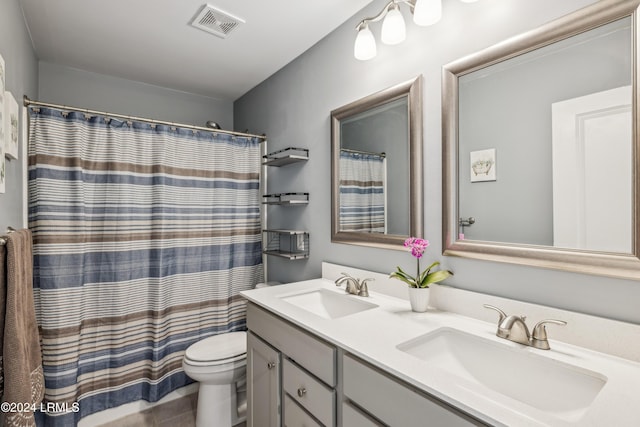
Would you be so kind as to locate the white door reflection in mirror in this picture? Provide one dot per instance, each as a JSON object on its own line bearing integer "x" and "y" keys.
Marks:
{"x": 592, "y": 172}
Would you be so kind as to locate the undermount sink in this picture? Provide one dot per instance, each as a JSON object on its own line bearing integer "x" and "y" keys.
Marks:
{"x": 328, "y": 304}
{"x": 554, "y": 387}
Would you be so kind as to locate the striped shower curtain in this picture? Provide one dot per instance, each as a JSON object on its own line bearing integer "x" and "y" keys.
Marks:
{"x": 362, "y": 192}
{"x": 144, "y": 235}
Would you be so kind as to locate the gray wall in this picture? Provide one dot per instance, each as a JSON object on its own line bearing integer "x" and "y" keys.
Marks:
{"x": 83, "y": 89}
{"x": 292, "y": 107}
{"x": 21, "y": 78}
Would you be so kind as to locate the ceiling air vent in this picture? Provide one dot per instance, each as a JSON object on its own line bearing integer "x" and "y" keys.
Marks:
{"x": 215, "y": 21}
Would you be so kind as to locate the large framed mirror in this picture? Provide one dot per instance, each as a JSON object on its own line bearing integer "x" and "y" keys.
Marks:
{"x": 540, "y": 161}
{"x": 376, "y": 168}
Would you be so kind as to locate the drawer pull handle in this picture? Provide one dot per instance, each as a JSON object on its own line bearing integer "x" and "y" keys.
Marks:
{"x": 271, "y": 365}
{"x": 302, "y": 391}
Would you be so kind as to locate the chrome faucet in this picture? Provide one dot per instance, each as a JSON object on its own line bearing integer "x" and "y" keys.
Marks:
{"x": 514, "y": 328}
{"x": 354, "y": 286}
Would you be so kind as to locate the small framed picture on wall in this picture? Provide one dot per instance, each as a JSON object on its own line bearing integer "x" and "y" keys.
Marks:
{"x": 483, "y": 165}
{"x": 11, "y": 114}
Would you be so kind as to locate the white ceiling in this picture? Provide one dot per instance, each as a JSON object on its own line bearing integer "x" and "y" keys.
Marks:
{"x": 151, "y": 40}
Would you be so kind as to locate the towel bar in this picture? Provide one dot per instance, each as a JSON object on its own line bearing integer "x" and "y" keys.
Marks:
{"x": 3, "y": 239}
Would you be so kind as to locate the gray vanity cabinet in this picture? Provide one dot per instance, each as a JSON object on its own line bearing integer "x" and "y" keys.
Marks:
{"x": 308, "y": 373}
{"x": 263, "y": 383}
{"x": 295, "y": 416}
{"x": 321, "y": 385}
{"x": 354, "y": 417}
{"x": 391, "y": 402}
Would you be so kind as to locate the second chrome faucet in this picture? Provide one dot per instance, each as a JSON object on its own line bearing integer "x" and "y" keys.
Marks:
{"x": 354, "y": 286}
{"x": 515, "y": 329}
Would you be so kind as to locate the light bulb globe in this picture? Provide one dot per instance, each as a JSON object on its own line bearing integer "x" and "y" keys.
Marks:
{"x": 427, "y": 12}
{"x": 393, "y": 28}
{"x": 365, "y": 45}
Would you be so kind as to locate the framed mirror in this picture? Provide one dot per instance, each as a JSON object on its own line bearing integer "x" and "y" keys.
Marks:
{"x": 540, "y": 161}
{"x": 376, "y": 168}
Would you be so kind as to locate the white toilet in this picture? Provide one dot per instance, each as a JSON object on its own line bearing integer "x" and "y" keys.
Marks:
{"x": 218, "y": 363}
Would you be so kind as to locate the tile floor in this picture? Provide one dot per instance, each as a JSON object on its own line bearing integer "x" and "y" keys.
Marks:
{"x": 176, "y": 413}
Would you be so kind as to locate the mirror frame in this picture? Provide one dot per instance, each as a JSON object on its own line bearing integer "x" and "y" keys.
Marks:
{"x": 412, "y": 89}
{"x": 590, "y": 262}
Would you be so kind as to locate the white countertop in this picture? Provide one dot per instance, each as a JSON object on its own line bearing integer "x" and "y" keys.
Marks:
{"x": 374, "y": 334}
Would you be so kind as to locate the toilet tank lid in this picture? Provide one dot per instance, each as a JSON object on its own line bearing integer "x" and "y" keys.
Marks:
{"x": 218, "y": 347}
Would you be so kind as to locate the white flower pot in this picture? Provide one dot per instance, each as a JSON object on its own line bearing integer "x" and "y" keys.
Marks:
{"x": 419, "y": 299}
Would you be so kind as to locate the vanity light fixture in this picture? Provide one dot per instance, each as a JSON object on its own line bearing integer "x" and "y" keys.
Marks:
{"x": 425, "y": 12}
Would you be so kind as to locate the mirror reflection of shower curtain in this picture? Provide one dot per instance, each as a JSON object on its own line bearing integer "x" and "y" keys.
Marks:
{"x": 363, "y": 196}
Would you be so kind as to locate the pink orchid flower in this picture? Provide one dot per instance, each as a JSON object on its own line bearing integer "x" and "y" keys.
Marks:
{"x": 422, "y": 279}
{"x": 417, "y": 246}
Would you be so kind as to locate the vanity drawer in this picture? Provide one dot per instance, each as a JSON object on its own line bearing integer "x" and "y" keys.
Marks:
{"x": 295, "y": 416}
{"x": 395, "y": 403}
{"x": 353, "y": 417}
{"x": 310, "y": 393}
{"x": 315, "y": 355}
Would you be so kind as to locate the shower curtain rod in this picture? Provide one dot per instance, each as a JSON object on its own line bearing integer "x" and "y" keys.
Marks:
{"x": 28, "y": 102}
{"x": 348, "y": 150}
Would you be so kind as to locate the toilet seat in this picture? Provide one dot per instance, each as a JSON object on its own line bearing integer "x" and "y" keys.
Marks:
{"x": 218, "y": 350}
